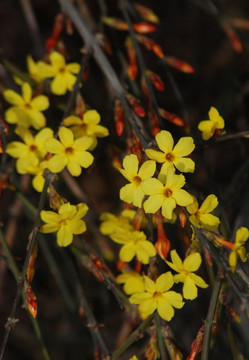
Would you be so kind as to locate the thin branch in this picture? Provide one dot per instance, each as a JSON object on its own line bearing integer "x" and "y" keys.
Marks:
{"x": 210, "y": 318}
{"x": 160, "y": 339}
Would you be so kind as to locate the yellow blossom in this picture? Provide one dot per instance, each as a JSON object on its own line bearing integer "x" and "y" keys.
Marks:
{"x": 38, "y": 179}
{"x": 215, "y": 122}
{"x": 171, "y": 155}
{"x": 238, "y": 249}
{"x": 133, "y": 282}
{"x": 62, "y": 73}
{"x": 34, "y": 69}
{"x": 166, "y": 196}
{"x": 134, "y": 357}
{"x": 110, "y": 222}
{"x": 88, "y": 125}
{"x": 26, "y": 111}
{"x": 69, "y": 152}
{"x": 186, "y": 273}
{"x": 134, "y": 244}
{"x": 158, "y": 297}
{"x": 201, "y": 217}
{"x": 132, "y": 193}
{"x": 30, "y": 152}
{"x": 67, "y": 222}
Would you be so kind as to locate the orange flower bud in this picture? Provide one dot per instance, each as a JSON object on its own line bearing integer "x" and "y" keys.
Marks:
{"x": 182, "y": 218}
{"x": 138, "y": 109}
{"x": 121, "y": 265}
{"x": 150, "y": 45}
{"x": 163, "y": 244}
{"x": 233, "y": 37}
{"x": 146, "y": 13}
{"x": 119, "y": 117}
{"x": 196, "y": 345}
{"x": 115, "y": 23}
{"x": 31, "y": 264}
{"x": 155, "y": 122}
{"x": 31, "y": 300}
{"x": 179, "y": 64}
{"x": 156, "y": 80}
{"x": 58, "y": 26}
{"x": 144, "y": 28}
{"x": 171, "y": 117}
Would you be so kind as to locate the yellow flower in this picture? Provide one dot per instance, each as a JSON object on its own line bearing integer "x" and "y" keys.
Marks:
{"x": 166, "y": 196}
{"x": 132, "y": 193}
{"x": 172, "y": 156}
{"x": 215, "y": 122}
{"x": 87, "y": 126}
{"x": 31, "y": 151}
{"x": 69, "y": 152}
{"x": 26, "y": 110}
{"x": 34, "y": 69}
{"x": 158, "y": 297}
{"x": 200, "y": 217}
{"x": 110, "y": 222}
{"x": 134, "y": 357}
{"x": 185, "y": 269}
{"x": 38, "y": 179}
{"x": 62, "y": 73}
{"x": 238, "y": 249}
{"x": 66, "y": 223}
{"x": 134, "y": 244}
{"x": 133, "y": 282}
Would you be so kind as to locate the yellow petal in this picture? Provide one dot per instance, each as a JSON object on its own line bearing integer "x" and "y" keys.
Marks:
{"x": 152, "y": 186}
{"x": 153, "y": 203}
{"x": 155, "y": 155}
{"x": 242, "y": 235}
{"x": 184, "y": 147}
{"x": 74, "y": 167}
{"x": 189, "y": 289}
{"x": 209, "y": 221}
{"x": 40, "y": 103}
{"x": 12, "y": 97}
{"x": 209, "y": 204}
{"x": 193, "y": 208}
{"x": 64, "y": 236}
{"x": 91, "y": 117}
{"x": 139, "y": 298}
{"x": 198, "y": 281}
{"x": 36, "y": 119}
{"x": 16, "y": 149}
{"x": 67, "y": 211}
{"x": 73, "y": 68}
{"x": 127, "y": 193}
{"x": 232, "y": 260}
{"x": 216, "y": 118}
{"x": 184, "y": 164}
{"x": 77, "y": 226}
{"x": 57, "y": 163}
{"x": 130, "y": 165}
{"x": 150, "y": 285}
{"x": 174, "y": 299}
{"x": 164, "y": 282}
{"x": 145, "y": 250}
{"x": 175, "y": 258}
{"x": 138, "y": 196}
{"x": 58, "y": 85}
{"x": 165, "y": 310}
{"x": 148, "y": 307}
{"x": 54, "y": 146}
{"x": 207, "y": 127}
{"x": 147, "y": 170}
{"x": 72, "y": 120}
{"x": 192, "y": 262}
{"x": 127, "y": 252}
{"x": 168, "y": 206}
{"x": 82, "y": 209}
{"x": 182, "y": 197}
{"x": 50, "y": 217}
{"x": 165, "y": 141}
{"x": 66, "y": 136}
{"x": 26, "y": 92}
{"x": 57, "y": 60}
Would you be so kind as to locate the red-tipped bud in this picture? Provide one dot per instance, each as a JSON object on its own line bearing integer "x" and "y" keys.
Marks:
{"x": 55, "y": 199}
{"x": 97, "y": 262}
{"x": 146, "y": 13}
{"x": 150, "y": 45}
{"x": 134, "y": 146}
{"x": 144, "y": 28}
{"x": 196, "y": 346}
{"x": 31, "y": 264}
{"x": 183, "y": 219}
{"x": 156, "y": 48}
{"x": 155, "y": 122}
{"x": 58, "y": 26}
{"x": 31, "y": 300}
{"x": 156, "y": 80}
{"x": 119, "y": 117}
{"x": 115, "y": 23}
{"x": 179, "y": 64}
{"x": 234, "y": 38}
{"x": 134, "y": 102}
{"x": 171, "y": 117}
{"x": 131, "y": 52}
{"x": 174, "y": 352}
{"x": 163, "y": 244}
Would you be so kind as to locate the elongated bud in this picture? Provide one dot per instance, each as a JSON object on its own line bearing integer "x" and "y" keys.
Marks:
{"x": 131, "y": 52}
{"x": 115, "y": 23}
{"x": 155, "y": 122}
{"x": 31, "y": 264}
{"x": 135, "y": 103}
{"x": 150, "y": 45}
{"x": 179, "y": 64}
{"x": 146, "y": 13}
{"x": 31, "y": 299}
{"x": 81, "y": 106}
{"x": 196, "y": 345}
{"x": 144, "y": 28}
{"x": 233, "y": 37}
{"x": 163, "y": 244}
{"x": 58, "y": 26}
{"x": 55, "y": 199}
{"x": 152, "y": 352}
{"x": 171, "y": 117}
{"x": 174, "y": 352}
{"x": 183, "y": 219}
{"x": 155, "y": 79}
{"x": 119, "y": 117}
{"x": 134, "y": 146}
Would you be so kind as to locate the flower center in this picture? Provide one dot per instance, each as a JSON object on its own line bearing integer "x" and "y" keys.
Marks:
{"x": 137, "y": 180}
{"x": 62, "y": 70}
{"x": 33, "y": 147}
{"x": 69, "y": 151}
{"x": 170, "y": 157}
{"x": 27, "y": 106}
{"x": 167, "y": 193}
{"x": 156, "y": 295}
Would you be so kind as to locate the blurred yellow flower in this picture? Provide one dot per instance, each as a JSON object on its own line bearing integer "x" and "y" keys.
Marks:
{"x": 158, "y": 297}
{"x": 171, "y": 155}
{"x": 30, "y": 152}
{"x": 133, "y": 282}
{"x": 69, "y": 152}
{"x": 132, "y": 193}
{"x": 26, "y": 111}
{"x": 87, "y": 126}
{"x": 63, "y": 74}
{"x": 185, "y": 269}
{"x": 67, "y": 222}
{"x": 215, "y": 122}
{"x": 201, "y": 217}
{"x": 238, "y": 249}
{"x": 134, "y": 244}
{"x": 165, "y": 196}
{"x": 110, "y": 223}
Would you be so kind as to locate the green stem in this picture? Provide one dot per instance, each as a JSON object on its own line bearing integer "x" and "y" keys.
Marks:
{"x": 133, "y": 337}
{"x": 210, "y": 318}
{"x": 160, "y": 339}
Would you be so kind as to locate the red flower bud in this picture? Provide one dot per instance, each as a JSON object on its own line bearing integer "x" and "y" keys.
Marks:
{"x": 144, "y": 28}
{"x": 31, "y": 300}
